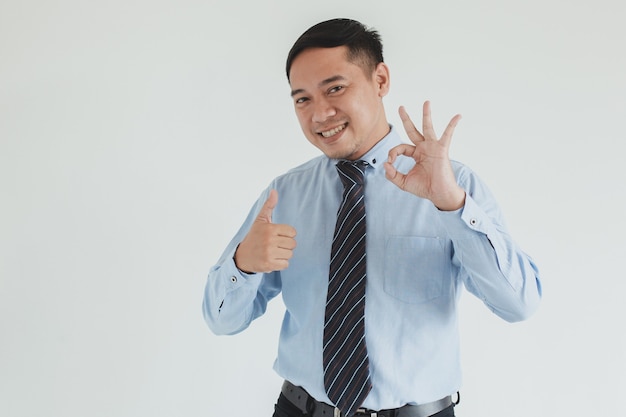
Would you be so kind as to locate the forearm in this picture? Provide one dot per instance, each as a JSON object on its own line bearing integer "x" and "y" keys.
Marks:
{"x": 232, "y": 298}
{"x": 492, "y": 265}
{"x": 229, "y": 303}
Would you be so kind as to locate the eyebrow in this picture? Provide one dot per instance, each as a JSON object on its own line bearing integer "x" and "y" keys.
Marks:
{"x": 321, "y": 84}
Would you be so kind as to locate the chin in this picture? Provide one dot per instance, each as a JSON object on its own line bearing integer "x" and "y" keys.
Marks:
{"x": 340, "y": 154}
{"x": 336, "y": 150}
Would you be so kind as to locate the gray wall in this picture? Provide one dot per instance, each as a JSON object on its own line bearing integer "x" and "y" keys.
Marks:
{"x": 135, "y": 135}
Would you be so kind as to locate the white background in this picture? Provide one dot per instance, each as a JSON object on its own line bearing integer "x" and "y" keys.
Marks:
{"x": 136, "y": 134}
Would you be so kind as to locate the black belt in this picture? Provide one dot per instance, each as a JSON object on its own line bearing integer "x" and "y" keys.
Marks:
{"x": 309, "y": 405}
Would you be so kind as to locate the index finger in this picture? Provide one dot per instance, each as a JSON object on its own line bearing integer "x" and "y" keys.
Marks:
{"x": 285, "y": 230}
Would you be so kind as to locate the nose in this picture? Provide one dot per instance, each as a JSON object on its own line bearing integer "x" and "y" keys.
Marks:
{"x": 323, "y": 110}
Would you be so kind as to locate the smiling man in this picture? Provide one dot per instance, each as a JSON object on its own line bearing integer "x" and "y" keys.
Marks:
{"x": 370, "y": 245}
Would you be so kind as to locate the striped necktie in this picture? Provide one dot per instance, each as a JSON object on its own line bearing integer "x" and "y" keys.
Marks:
{"x": 346, "y": 367}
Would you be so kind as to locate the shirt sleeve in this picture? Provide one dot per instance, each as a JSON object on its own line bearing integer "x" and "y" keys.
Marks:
{"x": 232, "y": 298}
{"x": 492, "y": 266}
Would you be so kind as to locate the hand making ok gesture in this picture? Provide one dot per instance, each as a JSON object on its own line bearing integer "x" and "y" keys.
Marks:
{"x": 432, "y": 176}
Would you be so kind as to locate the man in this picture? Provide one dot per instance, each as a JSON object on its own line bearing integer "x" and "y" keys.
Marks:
{"x": 432, "y": 227}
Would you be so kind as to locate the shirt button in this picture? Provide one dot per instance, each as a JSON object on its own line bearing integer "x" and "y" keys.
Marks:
{"x": 473, "y": 222}
{"x": 233, "y": 279}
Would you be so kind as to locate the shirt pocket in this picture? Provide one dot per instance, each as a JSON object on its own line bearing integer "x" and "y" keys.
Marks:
{"x": 416, "y": 268}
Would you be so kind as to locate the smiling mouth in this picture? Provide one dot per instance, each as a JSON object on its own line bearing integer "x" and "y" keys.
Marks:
{"x": 333, "y": 131}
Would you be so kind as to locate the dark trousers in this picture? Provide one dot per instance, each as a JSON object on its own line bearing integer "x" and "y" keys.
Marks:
{"x": 284, "y": 408}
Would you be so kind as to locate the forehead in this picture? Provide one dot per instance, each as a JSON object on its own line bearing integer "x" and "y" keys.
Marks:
{"x": 313, "y": 66}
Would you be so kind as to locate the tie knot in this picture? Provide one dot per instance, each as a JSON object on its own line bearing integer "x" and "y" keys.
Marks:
{"x": 351, "y": 172}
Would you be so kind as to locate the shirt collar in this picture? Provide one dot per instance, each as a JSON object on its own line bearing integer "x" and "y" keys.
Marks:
{"x": 379, "y": 153}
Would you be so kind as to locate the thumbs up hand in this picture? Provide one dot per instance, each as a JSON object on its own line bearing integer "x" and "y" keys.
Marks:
{"x": 267, "y": 247}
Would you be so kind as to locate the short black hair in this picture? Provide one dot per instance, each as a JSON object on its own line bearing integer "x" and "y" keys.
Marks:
{"x": 365, "y": 47}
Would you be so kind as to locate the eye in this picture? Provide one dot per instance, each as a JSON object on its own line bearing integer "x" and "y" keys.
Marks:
{"x": 301, "y": 100}
{"x": 335, "y": 89}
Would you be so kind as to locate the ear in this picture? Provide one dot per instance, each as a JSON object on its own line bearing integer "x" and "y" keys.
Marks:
{"x": 381, "y": 76}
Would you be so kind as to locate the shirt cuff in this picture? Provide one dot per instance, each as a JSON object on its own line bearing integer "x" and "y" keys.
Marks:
{"x": 466, "y": 221}
{"x": 237, "y": 278}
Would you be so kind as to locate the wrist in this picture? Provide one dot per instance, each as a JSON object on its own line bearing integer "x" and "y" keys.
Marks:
{"x": 237, "y": 265}
{"x": 453, "y": 203}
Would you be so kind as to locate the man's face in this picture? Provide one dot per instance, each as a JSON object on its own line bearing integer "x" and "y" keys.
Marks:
{"x": 338, "y": 106}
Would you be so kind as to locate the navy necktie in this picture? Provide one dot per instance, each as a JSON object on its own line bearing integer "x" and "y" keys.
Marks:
{"x": 346, "y": 366}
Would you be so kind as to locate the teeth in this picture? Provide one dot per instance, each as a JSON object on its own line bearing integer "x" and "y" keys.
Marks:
{"x": 334, "y": 131}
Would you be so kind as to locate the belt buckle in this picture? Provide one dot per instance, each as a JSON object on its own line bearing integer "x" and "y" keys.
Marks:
{"x": 363, "y": 411}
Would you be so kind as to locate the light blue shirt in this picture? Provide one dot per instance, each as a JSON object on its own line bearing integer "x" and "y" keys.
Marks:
{"x": 418, "y": 258}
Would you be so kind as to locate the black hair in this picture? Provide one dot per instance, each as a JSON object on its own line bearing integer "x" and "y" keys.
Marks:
{"x": 364, "y": 45}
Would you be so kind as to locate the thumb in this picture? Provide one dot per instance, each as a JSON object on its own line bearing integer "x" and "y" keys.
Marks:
{"x": 265, "y": 215}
